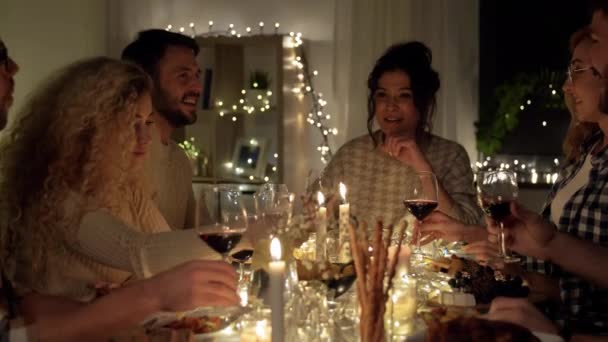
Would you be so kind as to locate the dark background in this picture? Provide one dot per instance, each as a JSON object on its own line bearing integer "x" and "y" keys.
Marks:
{"x": 527, "y": 36}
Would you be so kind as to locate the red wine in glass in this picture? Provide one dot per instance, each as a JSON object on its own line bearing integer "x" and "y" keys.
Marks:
{"x": 420, "y": 208}
{"x": 496, "y": 190}
{"x": 497, "y": 210}
{"x": 222, "y": 242}
{"x": 420, "y": 200}
{"x": 242, "y": 255}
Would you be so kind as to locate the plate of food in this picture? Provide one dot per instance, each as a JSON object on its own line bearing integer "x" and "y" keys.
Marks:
{"x": 202, "y": 321}
{"x": 476, "y": 329}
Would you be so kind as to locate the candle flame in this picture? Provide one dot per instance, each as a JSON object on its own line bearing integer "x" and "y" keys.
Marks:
{"x": 260, "y": 329}
{"x": 275, "y": 249}
{"x": 292, "y": 197}
{"x": 320, "y": 198}
{"x": 343, "y": 191}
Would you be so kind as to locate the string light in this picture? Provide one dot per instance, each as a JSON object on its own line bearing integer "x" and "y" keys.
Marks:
{"x": 193, "y": 30}
{"x": 304, "y": 88}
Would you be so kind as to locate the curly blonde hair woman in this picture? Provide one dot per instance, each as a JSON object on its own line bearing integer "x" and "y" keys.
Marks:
{"x": 76, "y": 212}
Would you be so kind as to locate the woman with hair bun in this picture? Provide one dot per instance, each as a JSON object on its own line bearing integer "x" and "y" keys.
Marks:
{"x": 379, "y": 167}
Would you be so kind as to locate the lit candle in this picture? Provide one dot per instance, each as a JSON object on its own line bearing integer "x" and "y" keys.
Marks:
{"x": 321, "y": 228}
{"x": 277, "y": 281}
{"x": 344, "y": 255}
{"x": 260, "y": 333}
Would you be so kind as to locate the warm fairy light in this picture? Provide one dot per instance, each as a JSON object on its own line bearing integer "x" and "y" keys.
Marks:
{"x": 320, "y": 198}
{"x": 343, "y": 191}
{"x": 304, "y": 88}
{"x": 275, "y": 249}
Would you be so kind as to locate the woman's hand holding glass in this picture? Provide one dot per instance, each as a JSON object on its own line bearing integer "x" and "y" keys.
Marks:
{"x": 527, "y": 234}
{"x": 194, "y": 284}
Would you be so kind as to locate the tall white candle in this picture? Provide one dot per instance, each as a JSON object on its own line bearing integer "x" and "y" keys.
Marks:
{"x": 321, "y": 250}
{"x": 344, "y": 254}
{"x": 277, "y": 281}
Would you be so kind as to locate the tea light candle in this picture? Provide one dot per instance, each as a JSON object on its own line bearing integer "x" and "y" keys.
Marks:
{"x": 321, "y": 228}
{"x": 344, "y": 255}
{"x": 277, "y": 281}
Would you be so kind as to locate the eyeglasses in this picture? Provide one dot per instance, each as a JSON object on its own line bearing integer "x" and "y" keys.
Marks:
{"x": 573, "y": 72}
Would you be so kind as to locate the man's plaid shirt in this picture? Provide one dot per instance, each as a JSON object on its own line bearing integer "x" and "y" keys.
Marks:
{"x": 585, "y": 215}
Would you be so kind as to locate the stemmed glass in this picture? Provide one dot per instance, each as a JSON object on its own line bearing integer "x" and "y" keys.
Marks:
{"x": 420, "y": 200}
{"x": 226, "y": 212}
{"x": 273, "y": 206}
{"x": 495, "y": 192}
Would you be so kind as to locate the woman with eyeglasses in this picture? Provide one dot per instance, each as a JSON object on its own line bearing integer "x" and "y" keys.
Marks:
{"x": 568, "y": 243}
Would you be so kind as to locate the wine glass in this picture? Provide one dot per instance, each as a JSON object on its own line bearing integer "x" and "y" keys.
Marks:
{"x": 242, "y": 257}
{"x": 495, "y": 192}
{"x": 273, "y": 205}
{"x": 420, "y": 200}
{"x": 228, "y": 217}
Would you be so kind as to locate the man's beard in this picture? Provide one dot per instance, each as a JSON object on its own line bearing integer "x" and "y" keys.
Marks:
{"x": 171, "y": 112}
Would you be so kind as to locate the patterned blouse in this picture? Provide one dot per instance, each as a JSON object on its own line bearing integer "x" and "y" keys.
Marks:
{"x": 377, "y": 183}
{"x": 585, "y": 215}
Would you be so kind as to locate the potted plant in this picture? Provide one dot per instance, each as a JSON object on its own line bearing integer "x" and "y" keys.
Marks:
{"x": 197, "y": 159}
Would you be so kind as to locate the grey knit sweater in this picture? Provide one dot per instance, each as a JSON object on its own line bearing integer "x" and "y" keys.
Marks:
{"x": 377, "y": 182}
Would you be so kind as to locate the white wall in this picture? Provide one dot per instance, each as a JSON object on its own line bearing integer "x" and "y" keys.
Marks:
{"x": 314, "y": 18}
{"x": 365, "y": 28}
{"x": 45, "y": 35}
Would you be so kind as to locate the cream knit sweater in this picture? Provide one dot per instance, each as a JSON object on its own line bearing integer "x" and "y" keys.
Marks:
{"x": 169, "y": 173}
{"x": 377, "y": 182}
